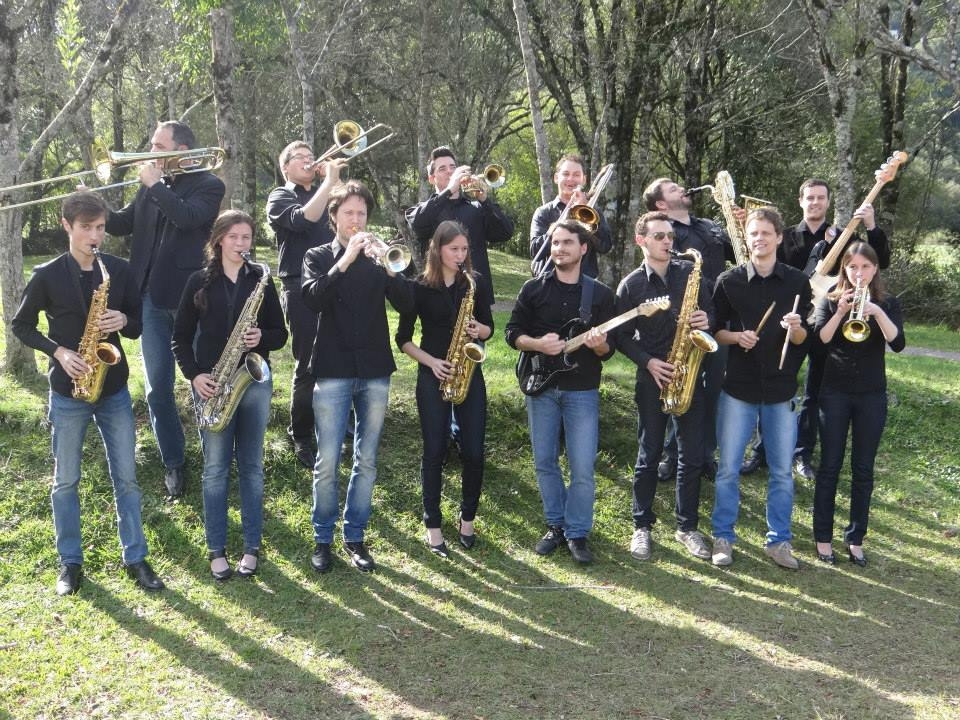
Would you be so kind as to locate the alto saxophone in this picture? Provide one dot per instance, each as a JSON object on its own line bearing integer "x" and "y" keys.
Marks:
{"x": 689, "y": 346}
{"x": 463, "y": 354}
{"x": 98, "y": 354}
{"x": 231, "y": 376}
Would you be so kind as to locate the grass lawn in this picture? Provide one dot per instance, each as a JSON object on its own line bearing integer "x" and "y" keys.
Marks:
{"x": 497, "y": 632}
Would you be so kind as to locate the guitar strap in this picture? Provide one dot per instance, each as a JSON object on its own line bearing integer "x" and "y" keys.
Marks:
{"x": 587, "y": 284}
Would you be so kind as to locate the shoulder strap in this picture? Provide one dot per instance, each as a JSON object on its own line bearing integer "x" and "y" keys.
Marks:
{"x": 587, "y": 285}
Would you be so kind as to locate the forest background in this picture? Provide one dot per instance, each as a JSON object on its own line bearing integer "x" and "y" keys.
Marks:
{"x": 773, "y": 92}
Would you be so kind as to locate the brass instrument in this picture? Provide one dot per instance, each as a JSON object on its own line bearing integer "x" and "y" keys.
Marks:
{"x": 492, "y": 177}
{"x": 105, "y": 161}
{"x": 351, "y": 141}
{"x": 98, "y": 354}
{"x": 463, "y": 354}
{"x": 724, "y": 194}
{"x": 231, "y": 376}
{"x": 586, "y": 213}
{"x": 855, "y": 327}
{"x": 395, "y": 257}
{"x": 688, "y": 347}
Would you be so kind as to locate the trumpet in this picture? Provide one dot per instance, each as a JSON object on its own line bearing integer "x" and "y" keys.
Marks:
{"x": 492, "y": 177}
{"x": 855, "y": 327}
{"x": 395, "y": 257}
{"x": 351, "y": 141}
{"x": 176, "y": 162}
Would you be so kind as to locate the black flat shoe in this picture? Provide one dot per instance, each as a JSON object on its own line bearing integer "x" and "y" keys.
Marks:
{"x": 858, "y": 561}
{"x": 144, "y": 576}
{"x": 222, "y": 575}
{"x": 830, "y": 559}
{"x": 467, "y": 541}
{"x": 242, "y": 570}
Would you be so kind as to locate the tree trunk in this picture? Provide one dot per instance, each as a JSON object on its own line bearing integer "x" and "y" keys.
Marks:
{"x": 224, "y": 59}
{"x": 533, "y": 93}
{"x": 303, "y": 74}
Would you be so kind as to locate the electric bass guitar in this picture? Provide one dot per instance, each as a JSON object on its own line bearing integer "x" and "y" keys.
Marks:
{"x": 536, "y": 371}
{"x": 820, "y": 282}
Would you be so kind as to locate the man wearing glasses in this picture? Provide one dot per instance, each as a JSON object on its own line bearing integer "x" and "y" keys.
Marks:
{"x": 647, "y": 341}
{"x": 297, "y": 212}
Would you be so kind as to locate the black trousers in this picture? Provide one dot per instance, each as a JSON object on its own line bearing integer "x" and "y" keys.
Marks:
{"x": 302, "y": 322}
{"x": 865, "y": 414}
{"x": 691, "y": 431}
{"x": 471, "y": 416}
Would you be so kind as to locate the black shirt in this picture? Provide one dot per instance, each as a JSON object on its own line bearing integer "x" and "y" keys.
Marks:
{"x": 876, "y": 238}
{"x": 211, "y": 328}
{"x": 799, "y": 242}
{"x": 741, "y": 298}
{"x": 295, "y": 234}
{"x": 353, "y": 340}
{"x": 545, "y": 216}
{"x": 710, "y": 240}
{"x": 652, "y": 336}
{"x": 485, "y": 222}
{"x": 438, "y": 309}
{"x": 855, "y": 367}
{"x": 58, "y": 289}
{"x": 545, "y": 305}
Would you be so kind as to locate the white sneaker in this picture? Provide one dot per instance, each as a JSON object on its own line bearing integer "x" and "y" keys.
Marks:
{"x": 641, "y": 544}
{"x": 722, "y": 552}
{"x": 694, "y": 542}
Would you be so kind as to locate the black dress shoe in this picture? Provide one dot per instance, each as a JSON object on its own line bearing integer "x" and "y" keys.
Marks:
{"x": 360, "y": 556}
{"x": 754, "y": 462}
{"x": 667, "y": 468}
{"x": 320, "y": 560}
{"x": 175, "y": 480}
{"x": 68, "y": 582}
{"x": 305, "y": 453}
{"x": 246, "y": 572}
{"x": 858, "y": 561}
{"x": 467, "y": 541}
{"x": 144, "y": 575}
{"x": 219, "y": 575}
{"x": 579, "y": 550}
{"x": 551, "y": 541}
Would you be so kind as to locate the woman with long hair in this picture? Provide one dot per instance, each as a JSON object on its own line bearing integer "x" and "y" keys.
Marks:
{"x": 439, "y": 294}
{"x": 212, "y": 301}
{"x": 853, "y": 394}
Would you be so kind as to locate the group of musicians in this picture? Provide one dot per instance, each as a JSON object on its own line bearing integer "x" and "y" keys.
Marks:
{"x": 197, "y": 300}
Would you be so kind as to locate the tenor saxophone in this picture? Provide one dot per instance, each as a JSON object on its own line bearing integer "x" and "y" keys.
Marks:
{"x": 231, "y": 376}
{"x": 98, "y": 354}
{"x": 463, "y": 354}
{"x": 689, "y": 345}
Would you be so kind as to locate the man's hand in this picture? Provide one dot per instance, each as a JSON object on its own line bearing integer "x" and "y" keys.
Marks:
{"x": 112, "y": 321}
{"x": 550, "y": 344}
{"x": 205, "y": 386}
{"x": 866, "y": 214}
{"x": 699, "y": 320}
{"x": 748, "y": 339}
{"x": 251, "y": 338}
{"x": 460, "y": 175}
{"x": 150, "y": 174}
{"x": 661, "y": 372}
{"x": 71, "y": 362}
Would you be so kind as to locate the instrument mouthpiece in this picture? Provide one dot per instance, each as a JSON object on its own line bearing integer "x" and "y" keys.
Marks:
{"x": 695, "y": 190}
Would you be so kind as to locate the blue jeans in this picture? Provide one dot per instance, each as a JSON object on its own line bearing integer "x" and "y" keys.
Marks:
{"x": 159, "y": 367}
{"x": 865, "y": 414}
{"x": 471, "y": 415}
{"x": 113, "y": 416}
{"x": 736, "y": 421}
{"x": 569, "y": 507}
{"x": 241, "y": 438}
{"x": 332, "y": 400}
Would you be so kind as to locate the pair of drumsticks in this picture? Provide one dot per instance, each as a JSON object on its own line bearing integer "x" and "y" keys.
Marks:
{"x": 786, "y": 340}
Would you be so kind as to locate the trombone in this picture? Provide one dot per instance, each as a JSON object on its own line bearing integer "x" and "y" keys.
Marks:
{"x": 105, "y": 161}
{"x": 585, "y": 214}
{"x": 350, "y": 140}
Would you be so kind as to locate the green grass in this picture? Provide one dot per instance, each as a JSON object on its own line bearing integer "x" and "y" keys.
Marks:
{"x": 498, "y": 632}
{"x": 935, "y": 337}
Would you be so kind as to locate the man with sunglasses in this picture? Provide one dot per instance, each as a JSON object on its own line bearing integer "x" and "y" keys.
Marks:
{"x": 297, "y": 212}
{"x": 713, "y": 244}
{"x": 647, "y": 341}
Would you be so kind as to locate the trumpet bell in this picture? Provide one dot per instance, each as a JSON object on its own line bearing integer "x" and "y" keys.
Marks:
{"x": 494, "y": 175}
{"x": 396, "y": 258}
{"x": 856, "y": 330}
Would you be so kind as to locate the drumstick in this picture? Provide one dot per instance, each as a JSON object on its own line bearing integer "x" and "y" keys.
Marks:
{"x": 763, "y": 320}
{"x": 786, "y": 340}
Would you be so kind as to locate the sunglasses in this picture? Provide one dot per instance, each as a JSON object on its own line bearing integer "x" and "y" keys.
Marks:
{"x": 662, "y": 235}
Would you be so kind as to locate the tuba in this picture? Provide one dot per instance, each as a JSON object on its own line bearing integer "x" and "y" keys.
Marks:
{"x": 855, "y": 327}
{"x": 98, "y": 354}
{"x": 463, "y": 354}
{"x": 688, "y": 347}
{"x": 231, "y": 376}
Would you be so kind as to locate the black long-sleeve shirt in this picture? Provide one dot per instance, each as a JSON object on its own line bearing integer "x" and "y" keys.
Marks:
{"x": 545, "y": 305}
{"x": 485, "y": 222}
{"x": 802, "y": 247}
{"x": 353, "y": 339}
{"x": 545, "y": 216}
{"x": 63, "y": 292}
{"x": 438, "y": 309}
{"x": 211, "y": 329}
{"x": 295, "y": 233}
{"x": 710, "y": 240}
{"x": 741, "y": 298}
{"x": 651, "y": 336}
{"x": 855, "y": 367}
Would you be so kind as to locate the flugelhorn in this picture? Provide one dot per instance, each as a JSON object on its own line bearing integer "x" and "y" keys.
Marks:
{"x": 492, "y": 177}
{"x": 350, "y": 140}
{"x": 105, "y": 161}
